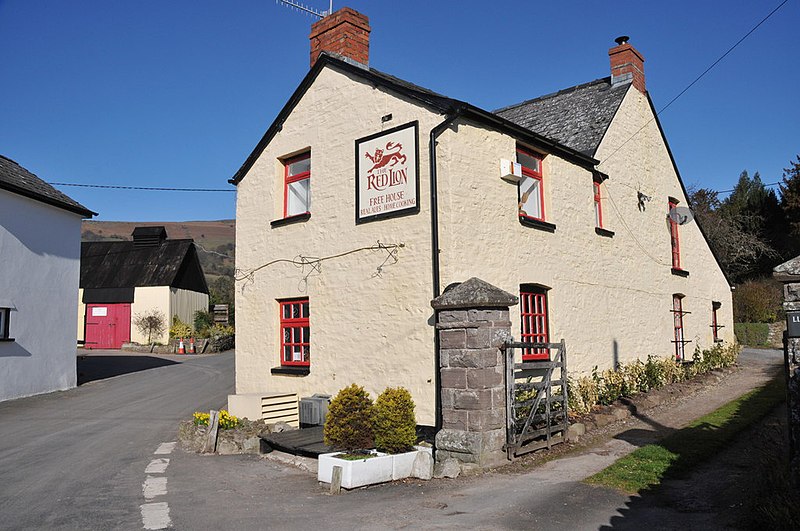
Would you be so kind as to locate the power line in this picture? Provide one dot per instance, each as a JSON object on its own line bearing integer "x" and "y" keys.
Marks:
{"x": 146, "y": 188}
{"x": 698, "y": 78}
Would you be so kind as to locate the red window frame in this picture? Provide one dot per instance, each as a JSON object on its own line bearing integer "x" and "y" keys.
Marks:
{"x": 598, "y": 205}
{"x": 295, "y": 332}
{"x": 289, "y": 179}
{"x": 674, "y": 238}
{"x": 715, "y": 326}
{"x": 534, "y": 322}
{"x": 677, "y": 314}
{"x": 534, "y": 174}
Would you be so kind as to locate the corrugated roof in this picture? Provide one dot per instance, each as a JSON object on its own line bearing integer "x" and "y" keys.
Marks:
{"x": 121, "y": 264}
{"x": 17, "y": 179}
{"x": 577, "y": 117}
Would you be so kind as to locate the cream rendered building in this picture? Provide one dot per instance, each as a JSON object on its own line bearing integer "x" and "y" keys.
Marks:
{"x": 584, "y": 238}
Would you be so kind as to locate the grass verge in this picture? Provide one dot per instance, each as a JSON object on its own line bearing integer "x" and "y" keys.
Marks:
{"x": 680, "y": 451}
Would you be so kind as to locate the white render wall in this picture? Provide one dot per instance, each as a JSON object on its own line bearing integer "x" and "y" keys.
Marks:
{"x": 40, "y": 256}
{"x": 609, "y": 300}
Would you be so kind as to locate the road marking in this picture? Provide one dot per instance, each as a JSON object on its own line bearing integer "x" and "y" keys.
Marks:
{"x": 155, "y": 515}
{"x": 165, "y": 448}
{"x": 154, "y": 486}
{"x": 157, "y": 466}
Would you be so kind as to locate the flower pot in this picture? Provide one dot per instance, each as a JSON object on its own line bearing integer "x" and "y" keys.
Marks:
{"x": 369, "y": 471}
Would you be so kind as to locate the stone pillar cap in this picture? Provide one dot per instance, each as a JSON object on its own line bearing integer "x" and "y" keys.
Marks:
{"x": 474, "y": 293}
{"x": 788, "y": 271}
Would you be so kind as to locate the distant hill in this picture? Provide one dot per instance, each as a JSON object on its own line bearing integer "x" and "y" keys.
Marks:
{"x": 215, "y": 239}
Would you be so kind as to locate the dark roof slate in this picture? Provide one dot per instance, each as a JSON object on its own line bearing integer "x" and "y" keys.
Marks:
{"x": 577, "y": 117}
{"x": 121, "y": 264}
{"x": 17, "y": 179}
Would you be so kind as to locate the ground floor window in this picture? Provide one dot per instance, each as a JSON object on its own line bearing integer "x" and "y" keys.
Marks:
{"x": 295, "y": 332}
{"x": 677, "y": 315}
{"x": 534, "y": 325}
{"x": 5, "y": 313}
{"x": 715, "y": 326}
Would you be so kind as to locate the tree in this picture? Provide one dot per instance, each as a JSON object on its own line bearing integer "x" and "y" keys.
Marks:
{"x": 150, "y": 323}
{"x": 790, "y": 197}
{"x": 740, "y": 251}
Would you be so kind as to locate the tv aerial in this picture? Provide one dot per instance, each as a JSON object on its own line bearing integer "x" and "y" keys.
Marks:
{"x": 307, "y": 9}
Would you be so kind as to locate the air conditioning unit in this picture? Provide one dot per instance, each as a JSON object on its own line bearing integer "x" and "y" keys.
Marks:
{"x": 314, "y": 409}
{"x": 510, "y": 171}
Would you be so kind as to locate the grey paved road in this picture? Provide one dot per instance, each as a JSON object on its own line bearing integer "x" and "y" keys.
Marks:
{"x": 76, "y": 459}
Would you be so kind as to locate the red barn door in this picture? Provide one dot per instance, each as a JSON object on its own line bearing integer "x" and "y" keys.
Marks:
{"x": 107, "y": 325}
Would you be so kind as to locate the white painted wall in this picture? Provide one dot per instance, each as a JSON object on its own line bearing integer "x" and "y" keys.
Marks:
{"x": 40, "y": 257}
{"x": 609, "y": 299}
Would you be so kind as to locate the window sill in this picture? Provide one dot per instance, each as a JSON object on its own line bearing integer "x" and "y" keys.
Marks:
{"x": 291, "y": 219}
{"x": 679, "y": 272}
{"x": 7, "y": 339}
{"x": 537, "y": 224}
{"x": 604, "y": 232}
{"x": 292, "y": 371}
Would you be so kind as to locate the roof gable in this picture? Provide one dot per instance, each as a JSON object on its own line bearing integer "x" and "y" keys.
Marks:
{"x": 577, "y": 117}
{"x": 122, "y": 264}
{"x": 18, "y": 180}
{"x": 429, "y": 98}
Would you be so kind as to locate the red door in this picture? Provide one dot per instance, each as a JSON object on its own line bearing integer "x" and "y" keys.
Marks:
{"x": 107, "y": 325}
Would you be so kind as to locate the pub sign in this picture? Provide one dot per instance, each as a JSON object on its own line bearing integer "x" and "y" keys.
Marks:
{"x": 387, "y": 174}
{"x": 793, "y": 324}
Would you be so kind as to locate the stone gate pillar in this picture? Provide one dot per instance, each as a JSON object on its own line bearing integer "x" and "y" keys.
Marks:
{"x": 789, "y": 274}
{"x": 472, "y": 323}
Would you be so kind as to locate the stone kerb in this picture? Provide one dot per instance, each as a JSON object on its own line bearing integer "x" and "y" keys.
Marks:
{"x": 472, "y": 323}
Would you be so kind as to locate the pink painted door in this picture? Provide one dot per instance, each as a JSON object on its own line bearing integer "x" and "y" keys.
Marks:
{"x": 107, "y": 325}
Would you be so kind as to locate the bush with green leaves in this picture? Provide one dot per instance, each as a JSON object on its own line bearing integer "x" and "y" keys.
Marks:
{"x": 395, "y": 426}
{"x": 179, "y": 328}
{"x": 751, "y": 334}
{"x": 350, "y": 419}
{"x": 630, "y": 378}
{"x": 203, "y": 321}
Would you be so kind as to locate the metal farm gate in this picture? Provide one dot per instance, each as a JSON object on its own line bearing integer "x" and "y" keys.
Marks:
{"x": 536, "y": 397}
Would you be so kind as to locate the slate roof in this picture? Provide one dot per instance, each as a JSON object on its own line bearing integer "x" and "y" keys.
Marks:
{"x": 121, "y": 264}
{"x": 577, "y": 117}
{"x": 18, "y": 180}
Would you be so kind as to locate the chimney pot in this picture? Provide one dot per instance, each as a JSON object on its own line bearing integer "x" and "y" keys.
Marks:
{"x": 622, "y": 40}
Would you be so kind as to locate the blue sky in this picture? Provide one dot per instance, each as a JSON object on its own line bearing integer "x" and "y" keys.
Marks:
{"x": 177, "y": 93}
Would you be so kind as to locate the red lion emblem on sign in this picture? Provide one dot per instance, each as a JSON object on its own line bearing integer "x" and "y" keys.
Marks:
{"x": 391, "y": 156}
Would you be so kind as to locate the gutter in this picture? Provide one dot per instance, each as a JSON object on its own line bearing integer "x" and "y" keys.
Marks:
{"x": 435, "y": 132}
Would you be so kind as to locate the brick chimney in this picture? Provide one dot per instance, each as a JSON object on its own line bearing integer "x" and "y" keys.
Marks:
{"x": 345, "y": 32}
{"x": 626, "y": 63}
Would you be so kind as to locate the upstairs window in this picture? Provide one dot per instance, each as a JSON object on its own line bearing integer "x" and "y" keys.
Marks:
{"x": 297, "y": 185}
{"x": 674, "y": 237}
{"x": 598, "y": 205}
{"x": 295, "y": 333}
{"x": 531, "y": 186}
{"x": 534, "y": 325}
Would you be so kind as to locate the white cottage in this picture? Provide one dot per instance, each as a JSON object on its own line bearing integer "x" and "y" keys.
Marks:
{"x": 369, "y": 195}
{"x": 40, "y": 235}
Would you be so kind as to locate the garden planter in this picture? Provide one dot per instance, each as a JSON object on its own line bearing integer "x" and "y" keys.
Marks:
{"x": 370, "y": 471}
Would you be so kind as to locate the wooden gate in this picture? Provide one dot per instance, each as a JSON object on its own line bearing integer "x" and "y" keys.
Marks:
{"x": 536, "y": 398}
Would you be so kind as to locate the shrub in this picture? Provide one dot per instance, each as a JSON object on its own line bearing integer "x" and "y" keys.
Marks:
{"x": 179, "y": 328}
{"x": 226, "y": 420}
{"x": 203, "y": 321}
{"x": 582, "y": 394}
{"x": 222, "y": 338}
{"x": 348, "y": 425}
{"x": 395, "y": 426}
{"x": 758, "y": 301}
{"x": 751, "y": 334}
{"x": 151, "y": 323}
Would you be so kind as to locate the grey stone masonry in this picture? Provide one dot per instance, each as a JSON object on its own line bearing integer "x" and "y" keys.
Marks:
{"x": 472, "y": 323}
